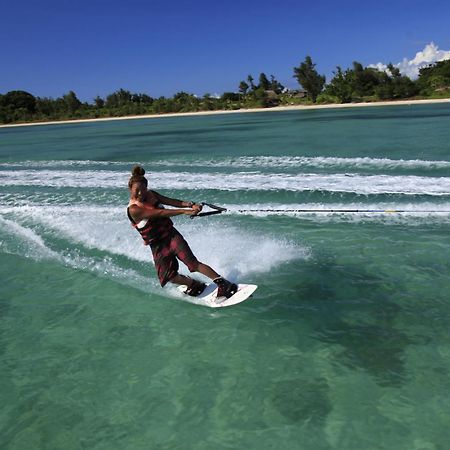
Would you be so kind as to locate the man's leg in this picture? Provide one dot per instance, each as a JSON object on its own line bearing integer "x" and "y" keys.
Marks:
{"x": 181, "y": 249}
{"x": 182, "y": 279}
{"x": 184, "y": 253}
{"x": 206, "y": 270}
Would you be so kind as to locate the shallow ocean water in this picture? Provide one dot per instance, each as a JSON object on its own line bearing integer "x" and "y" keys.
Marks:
{"x": 345, "y": 345}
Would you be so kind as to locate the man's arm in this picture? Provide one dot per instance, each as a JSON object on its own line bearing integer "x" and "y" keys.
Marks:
{"x": 173, "y": 202}
{"x": 178, "y": 203}
{"x": 143, "y": 212}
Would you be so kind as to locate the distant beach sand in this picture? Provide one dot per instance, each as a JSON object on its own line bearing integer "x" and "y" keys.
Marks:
{"x": 237, "y": 111}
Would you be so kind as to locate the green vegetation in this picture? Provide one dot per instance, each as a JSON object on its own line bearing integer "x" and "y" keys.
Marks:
{"x": 369, "y": 84}
{"x": 434, "y": 81}
{"x": 308, "y": 77}
{"x": 356, "y": 84}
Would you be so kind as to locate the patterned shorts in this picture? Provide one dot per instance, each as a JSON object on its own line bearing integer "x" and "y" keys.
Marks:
{"x": 166, "y": 253}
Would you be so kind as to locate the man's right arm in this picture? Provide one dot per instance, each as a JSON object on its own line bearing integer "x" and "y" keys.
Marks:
{"x": 145, "y": 212}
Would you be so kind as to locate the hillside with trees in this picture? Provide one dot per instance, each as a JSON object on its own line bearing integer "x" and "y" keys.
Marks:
{"x": 368, "y": 84}
{"x": 355, "y": 84}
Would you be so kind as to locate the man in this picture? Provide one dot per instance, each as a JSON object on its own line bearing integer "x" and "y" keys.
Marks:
{"x": 147, "y": 214}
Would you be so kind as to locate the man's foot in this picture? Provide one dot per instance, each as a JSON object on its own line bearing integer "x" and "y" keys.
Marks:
{"x": 225, "y": 288}
{"x": 195, "y": 289}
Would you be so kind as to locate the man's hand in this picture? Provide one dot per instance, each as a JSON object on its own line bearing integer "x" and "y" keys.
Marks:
{"x": 190, "y": 212}
{"x": 197, "y": 207}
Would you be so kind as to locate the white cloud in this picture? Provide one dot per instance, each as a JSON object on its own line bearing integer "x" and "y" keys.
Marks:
{"x": 429, "y": 55}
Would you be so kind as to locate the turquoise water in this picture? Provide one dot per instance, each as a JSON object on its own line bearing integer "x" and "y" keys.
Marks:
{"x": 346, "y": 343}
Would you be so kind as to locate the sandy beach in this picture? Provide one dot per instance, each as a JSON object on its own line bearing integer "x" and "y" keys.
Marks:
{"x": 252, "y": 110}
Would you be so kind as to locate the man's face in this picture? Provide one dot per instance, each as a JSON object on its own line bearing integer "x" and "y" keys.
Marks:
{"x": 139, "y": 191}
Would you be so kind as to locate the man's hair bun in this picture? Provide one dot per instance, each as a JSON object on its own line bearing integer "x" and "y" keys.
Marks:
{"x": 138, "y": 171}
{"x": 137, "y": 176}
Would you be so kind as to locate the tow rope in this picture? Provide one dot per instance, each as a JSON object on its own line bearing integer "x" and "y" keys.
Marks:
{"x": 219, "y": 210}
{"x": 387, "y": 211}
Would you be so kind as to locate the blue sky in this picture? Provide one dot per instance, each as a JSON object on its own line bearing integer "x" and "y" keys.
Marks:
{"x": 163, "y": 47}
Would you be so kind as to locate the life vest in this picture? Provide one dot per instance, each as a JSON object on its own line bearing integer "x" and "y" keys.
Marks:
{"x": 154, "y": 230}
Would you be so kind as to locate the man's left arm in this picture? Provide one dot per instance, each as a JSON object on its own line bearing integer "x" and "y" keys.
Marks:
{"x": 178, "y": 203}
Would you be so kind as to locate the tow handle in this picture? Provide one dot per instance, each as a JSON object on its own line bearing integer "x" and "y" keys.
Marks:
{"x": 215, "y": 210}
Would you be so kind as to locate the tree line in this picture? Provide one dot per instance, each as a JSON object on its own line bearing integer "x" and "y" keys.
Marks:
{"x": 354, "y": 84}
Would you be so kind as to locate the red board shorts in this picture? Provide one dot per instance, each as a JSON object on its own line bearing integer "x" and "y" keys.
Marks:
{"x": 166, "y": 253}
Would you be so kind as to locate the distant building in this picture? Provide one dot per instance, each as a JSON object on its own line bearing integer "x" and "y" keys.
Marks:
{"x": 271, "y": 98}
{"x": 296, "y": 93}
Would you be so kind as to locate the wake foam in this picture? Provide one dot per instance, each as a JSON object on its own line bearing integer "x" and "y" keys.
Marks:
{"x": 319, "y": 162}
{"x": 233, "y": 252}
{"x": 382, "y": 212}
{"x": 242, "y": 181}
{"x": 237, "y": 253}
{"x": 29, "y": 244}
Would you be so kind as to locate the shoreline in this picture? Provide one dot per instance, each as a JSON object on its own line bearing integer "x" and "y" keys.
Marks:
{"x": 236, "y": 111}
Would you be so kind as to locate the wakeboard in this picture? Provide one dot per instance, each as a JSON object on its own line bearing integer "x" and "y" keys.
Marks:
{"x": 209, "y": 296}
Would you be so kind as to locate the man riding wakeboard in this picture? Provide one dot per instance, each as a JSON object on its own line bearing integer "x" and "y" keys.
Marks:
{"x": 147, "y": 214}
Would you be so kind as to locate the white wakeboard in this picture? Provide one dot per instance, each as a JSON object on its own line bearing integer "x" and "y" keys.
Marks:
{"x": 209, "y": 296}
